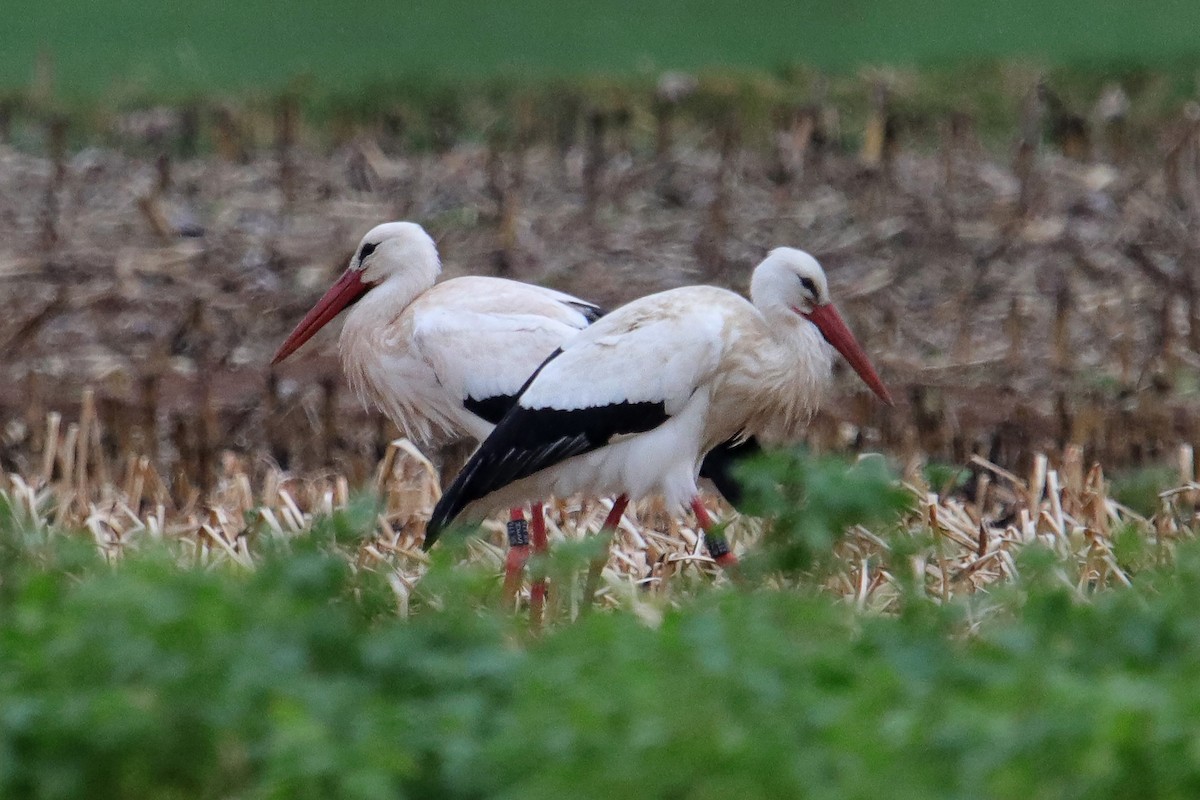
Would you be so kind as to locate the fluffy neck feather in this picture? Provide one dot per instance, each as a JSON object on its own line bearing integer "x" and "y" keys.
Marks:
{"x": 787, "y": 372}
{"x": 370, "y": 335}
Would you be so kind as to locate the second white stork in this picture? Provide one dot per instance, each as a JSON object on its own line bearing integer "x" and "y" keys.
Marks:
{"x": 445, "y": 360}
{"x": 631, "y": 405}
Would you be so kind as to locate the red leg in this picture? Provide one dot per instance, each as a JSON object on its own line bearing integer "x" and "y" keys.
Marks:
{"x": 614, "y": 516}
{"x": 537, "y": 591}
{"x": 716, "y": 543}
{"x": 606, "y": 531}
{"x": 518, "y": 554}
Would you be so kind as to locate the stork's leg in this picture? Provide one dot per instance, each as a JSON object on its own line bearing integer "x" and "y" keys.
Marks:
{"x": 518, "y": 554}
{"x": 715, "y": 541}
{"x": 606, "y": 532}
{"x": 537, "y": 590}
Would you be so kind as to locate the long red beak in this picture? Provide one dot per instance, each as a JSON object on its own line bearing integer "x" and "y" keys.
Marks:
{"x": 343, "y": 293}
{"x": 831, "y": 325}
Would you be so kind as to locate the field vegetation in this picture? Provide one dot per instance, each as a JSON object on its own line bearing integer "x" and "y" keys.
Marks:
{"x": 291, "y": 663}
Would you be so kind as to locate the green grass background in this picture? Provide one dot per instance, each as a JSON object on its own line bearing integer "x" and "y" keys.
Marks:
{"x": 99, "y": 45}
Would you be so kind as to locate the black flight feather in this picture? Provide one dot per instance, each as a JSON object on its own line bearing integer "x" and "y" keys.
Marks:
{"x": 590, "y": 312}
{"x": 492, "y": 409}
{"x": 528, "y": 440}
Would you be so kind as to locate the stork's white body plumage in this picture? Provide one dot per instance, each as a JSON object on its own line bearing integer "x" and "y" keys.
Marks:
{"x": 631, "y": 405}
{"x": 452, "y": 346}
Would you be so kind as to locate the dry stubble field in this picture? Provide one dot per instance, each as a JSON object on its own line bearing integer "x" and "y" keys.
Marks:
{"x": 1033, "y": 309}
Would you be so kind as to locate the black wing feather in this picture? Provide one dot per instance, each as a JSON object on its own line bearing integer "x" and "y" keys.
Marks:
{"x": 528, "y": 440}
{"x": 590, "y": 312}
{"x": 492, "y": 409}
{"x": 718, "y": 466}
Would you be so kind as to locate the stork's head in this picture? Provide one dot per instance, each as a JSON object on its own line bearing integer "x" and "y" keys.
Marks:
{"x": 791, "y": 280}
{"x": 399, "y": 252}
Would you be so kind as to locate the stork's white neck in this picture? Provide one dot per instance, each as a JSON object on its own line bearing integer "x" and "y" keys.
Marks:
{"x": 384, "y": 302}
{"x": 800, "y": 347}
{"x": 801, "y": 358}
{"x": 363, "y": 344}
{"x": 788, "y": 372}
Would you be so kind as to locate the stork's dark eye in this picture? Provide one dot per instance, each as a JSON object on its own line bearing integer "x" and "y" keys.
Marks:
{"x": 366, "y": 250}
{"x": 809, "y": 285}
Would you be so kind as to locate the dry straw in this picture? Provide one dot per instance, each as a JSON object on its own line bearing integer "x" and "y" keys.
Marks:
{"x": 966, "y": 544}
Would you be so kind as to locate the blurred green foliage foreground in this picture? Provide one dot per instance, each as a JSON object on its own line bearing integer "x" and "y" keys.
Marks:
{"x": 298, "y": 679}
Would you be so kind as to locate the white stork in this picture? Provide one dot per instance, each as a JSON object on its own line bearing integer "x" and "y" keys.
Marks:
{"x": 631, "y": 406}
{"x": 446, "y": 360}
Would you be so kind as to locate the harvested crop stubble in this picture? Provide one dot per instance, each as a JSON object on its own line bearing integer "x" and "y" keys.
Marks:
{"x": 957, "y": 542}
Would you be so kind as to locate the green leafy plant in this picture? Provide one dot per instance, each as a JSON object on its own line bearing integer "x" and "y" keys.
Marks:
{"x": 813, "y": 501}
{"x": 296, "y": 679}
{"x": 1138, "y": 489}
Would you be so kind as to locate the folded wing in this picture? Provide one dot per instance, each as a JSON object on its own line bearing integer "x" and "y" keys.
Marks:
{"x": 625, "y": 375}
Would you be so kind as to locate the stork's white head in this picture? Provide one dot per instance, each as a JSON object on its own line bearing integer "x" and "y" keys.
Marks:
{"x": 394, "y": 252}
{"x": 395, "y": 248}
{"x": 792, "y": 281}
{"x": 789, "y": 279}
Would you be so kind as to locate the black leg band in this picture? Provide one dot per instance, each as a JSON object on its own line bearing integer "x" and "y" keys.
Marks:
{"x": 717, "y": 545}
{"x": 518, "y": 533}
